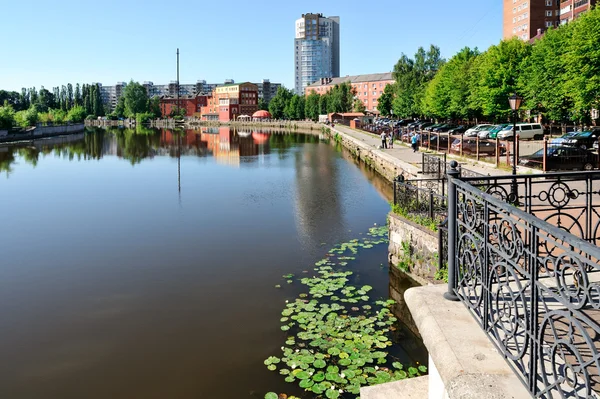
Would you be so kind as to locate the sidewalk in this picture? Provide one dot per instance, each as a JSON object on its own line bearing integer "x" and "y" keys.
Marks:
{"x": 404, "y": 153}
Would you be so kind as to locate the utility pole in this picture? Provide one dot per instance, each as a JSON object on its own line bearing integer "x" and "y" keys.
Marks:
{"x": 177, "y": 102}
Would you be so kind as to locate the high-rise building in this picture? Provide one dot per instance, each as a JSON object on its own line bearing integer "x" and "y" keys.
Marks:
{"x": 316, "y": 49}
{"x": 527, "y": 18}
{"x": 570, "y": 9}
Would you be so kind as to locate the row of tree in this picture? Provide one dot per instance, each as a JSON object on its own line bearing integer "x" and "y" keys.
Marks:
{"x": 341, "y": 98}
{"x": 558, "y": 77}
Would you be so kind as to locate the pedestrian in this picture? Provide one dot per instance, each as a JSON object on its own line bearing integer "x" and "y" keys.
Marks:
{"x": 391, "y": 138}
{"x": 414, "y": 142}
{"x": 383, "y": 140}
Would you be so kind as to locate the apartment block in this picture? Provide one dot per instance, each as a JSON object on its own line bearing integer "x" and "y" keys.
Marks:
{"x": 368, "y": 87}
{"x": 316, "y": 49}
{"x": 571, "y": 9}
{"x": 230, "y": 101}
{"x": 527, "y": 18}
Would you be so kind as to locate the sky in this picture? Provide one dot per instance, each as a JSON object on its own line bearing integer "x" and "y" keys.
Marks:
{"x": 66, "y": 41}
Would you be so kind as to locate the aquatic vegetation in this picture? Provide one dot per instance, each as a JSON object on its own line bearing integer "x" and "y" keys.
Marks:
{"x": 337, "y": 335}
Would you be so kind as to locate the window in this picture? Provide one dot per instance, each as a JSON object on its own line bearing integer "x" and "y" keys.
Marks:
{"x": 549, "y": 3}
{"x": 549, "y": 13}
{"x": 514, "y": 10}
{"x": 514, "y": 20}
{"x": 365, "y": 93}
{"x": 549, "y": 24}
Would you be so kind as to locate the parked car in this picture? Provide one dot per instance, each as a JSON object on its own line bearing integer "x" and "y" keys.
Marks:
{"x": 561, "y": 157}
{"x": 423, "y": 125}
{"x": 563, "y": 138}
{"x": 458, "y": 129}
{"x": 485, "y": 132}
{"x": 524, "y": 130}
{"x": 444, "y": 128}
{"x": 495, "y": 130}
{"x": 474, "y": 131}
{"x": 443, "y": 139}
{"x": 431, "y": 127}
{"x": 584, "y": 140}
{"x": 486, "y": 147}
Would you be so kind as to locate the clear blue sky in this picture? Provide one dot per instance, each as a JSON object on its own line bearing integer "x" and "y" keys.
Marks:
{"x": 54, "y": 43}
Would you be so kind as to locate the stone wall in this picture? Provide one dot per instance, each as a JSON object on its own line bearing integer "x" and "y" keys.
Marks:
{"x": 423, "y": 246}
{"x": 386, "y": 165}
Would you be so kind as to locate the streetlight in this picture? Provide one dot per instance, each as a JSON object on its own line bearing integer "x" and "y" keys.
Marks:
{"x": 515, "y": 103}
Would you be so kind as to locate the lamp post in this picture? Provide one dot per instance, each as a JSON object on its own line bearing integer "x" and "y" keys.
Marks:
{"x": 515, "y": 103}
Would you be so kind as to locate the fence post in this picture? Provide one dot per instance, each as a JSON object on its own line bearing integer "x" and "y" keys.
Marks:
{"x": 517, "y": 149}
{"x": 453, "y": 173}
{"x": 429, "y": 141}
{"x": 497, "y": 150}
{"x": 395, "y": 187}
{"x": 462, "y": 142}
{"x": 423, "y": 162}
{"x": 431, "y": 204}
{"x": 544, "y": 159}
{"x": 477, "y": 144}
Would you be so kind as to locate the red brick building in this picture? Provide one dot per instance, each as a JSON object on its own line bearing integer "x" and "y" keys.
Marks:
{"x": 570, "y": 9}
{"x": 192, "y": 105}
{"x": 368, "y": 87}
{"x": 527, "y": 19}
{"x": 230, "y": 101}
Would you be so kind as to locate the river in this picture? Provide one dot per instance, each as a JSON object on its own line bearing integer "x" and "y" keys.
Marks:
{"x": 145, "y": 264}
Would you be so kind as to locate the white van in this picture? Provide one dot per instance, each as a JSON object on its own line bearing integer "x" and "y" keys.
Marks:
{"x": 524, "y": 130}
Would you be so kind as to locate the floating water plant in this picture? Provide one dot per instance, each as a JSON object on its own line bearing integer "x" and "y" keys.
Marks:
{"x": 337, "y": 335}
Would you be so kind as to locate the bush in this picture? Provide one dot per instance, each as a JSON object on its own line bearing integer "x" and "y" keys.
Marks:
{"x": 143, "y": 117}
{"x": 26, "y": 118}
{"x": 7, "y": 116}
{"x": 76, "y": 114}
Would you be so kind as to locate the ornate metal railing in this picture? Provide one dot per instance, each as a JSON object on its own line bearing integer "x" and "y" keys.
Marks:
{"x": 418, "y": 201}
{"x": 533, "y": 287}
{"x": 434, "y": 164}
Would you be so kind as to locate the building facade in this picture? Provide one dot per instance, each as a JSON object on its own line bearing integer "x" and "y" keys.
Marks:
{"x": 316, "y": 49}
{"x": 230, "y": 101}
{"x": 571, "y": 9}
{"x": 111, "y": 94}
{"x": 527, "y": 18}
{"x": 192, "y": 105}
{"x": 368, "y": 87}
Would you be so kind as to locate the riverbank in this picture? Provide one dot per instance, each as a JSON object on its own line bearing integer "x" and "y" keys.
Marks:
{"x": 41, "y": 132}
{"x": 196, "y": 123}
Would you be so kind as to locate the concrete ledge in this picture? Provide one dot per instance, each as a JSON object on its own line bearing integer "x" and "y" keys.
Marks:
{"x": 463, "y": 357}
{"x": 411, "y": 388}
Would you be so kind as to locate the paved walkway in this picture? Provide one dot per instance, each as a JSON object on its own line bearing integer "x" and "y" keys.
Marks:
{"x": 403, "y": 152}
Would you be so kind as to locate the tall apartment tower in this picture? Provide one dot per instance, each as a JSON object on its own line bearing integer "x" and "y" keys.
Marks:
{"x": 570, "y": 9}
{"x": 526, "y": 18}
{"x": 316, "y": 50}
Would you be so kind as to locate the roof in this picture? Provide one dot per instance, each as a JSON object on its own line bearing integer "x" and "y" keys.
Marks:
{"x": 235, "y": 84}
{"x": 371, "y": 77}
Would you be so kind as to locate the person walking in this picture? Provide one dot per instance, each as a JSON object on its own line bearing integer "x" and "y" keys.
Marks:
{"x": 414, "y": 142}
{"x": 391, "y": 140}
{"x": 383, "y": 140}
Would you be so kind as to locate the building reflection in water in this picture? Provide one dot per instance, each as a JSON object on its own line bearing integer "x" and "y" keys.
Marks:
{"x": 317, "y": 198}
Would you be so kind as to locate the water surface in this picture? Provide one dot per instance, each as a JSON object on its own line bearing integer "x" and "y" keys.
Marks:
{"x": 144, "y": 264}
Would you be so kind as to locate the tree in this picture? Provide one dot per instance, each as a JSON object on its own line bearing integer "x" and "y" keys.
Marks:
{"x": 99, "y": 107}
{"x": 544, "y": 82}
{"x": 262, "y": 104}
{"x": 154, "y": 106}
{"x": 77, "y": 98}
{"x": 359, "y": 106}
{"x": 7, "y": 116}
{"x": 120, "y": 108}
{"x": 495, "y": 75}
{"x": 341, "y": 98}
{"x": 384, "y": 104}
{"x": 324, "y": 104}
{"x": 311, "y": 106}
{"x": 412, "y": 76}
{"x": 300, "y": 106}
{"x": 278, "y": 103}
{"x": 69, "y": 96}
{"x": 76, "y": 114}
{"x": 135, "y": 99}
{"x": 27, "y": 118}
{"x": 583, "y": 63}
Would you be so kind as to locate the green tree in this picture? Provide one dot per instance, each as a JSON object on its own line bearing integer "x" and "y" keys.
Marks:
{"x": 495, "y": 75}
{"x": 359, "y": 106}
{"x": 120, "y": 108}
{"x": 583, "y": 63}
{"x": 262, "y": 104}
{"x": 278, "y": 103}
{"x": 76, "y": 114}
{"x": 69, "y": 95}
{"x": 77, "y": 98}
{"x": 545, "y": 80}
{"x": 27, "y": 118}
{"x": 136, "y": 99}
{"x": 311, "y": 106}
{"x": 300, "y": 107}
{"x": 7, "y": 116}
{"x": 154, "y": 106}
{"x": 97, "y": 102}
{"x": 384, "y": 104}
{"x": 324, "y": 104}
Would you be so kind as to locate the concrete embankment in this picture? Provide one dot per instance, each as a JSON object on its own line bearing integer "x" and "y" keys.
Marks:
{"x": 365, "y": 150}
{"x": 41, "y": 132}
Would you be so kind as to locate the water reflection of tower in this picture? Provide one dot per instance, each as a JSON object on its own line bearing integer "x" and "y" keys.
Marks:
{"x": 318, "y": 200}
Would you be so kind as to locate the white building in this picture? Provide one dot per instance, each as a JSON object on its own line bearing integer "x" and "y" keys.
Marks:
{"x": 316, "y": 49}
